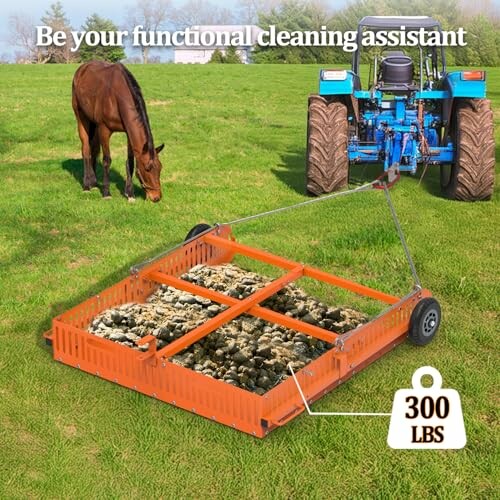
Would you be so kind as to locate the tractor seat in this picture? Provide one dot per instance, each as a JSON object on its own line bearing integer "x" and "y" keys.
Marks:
{"x": 396, "y": 69}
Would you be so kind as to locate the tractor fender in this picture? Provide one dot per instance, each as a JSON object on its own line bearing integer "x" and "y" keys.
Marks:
{"x": 458, "y": 85}
{"x": 345, "y": 82}
{"x": 341, "y": 90}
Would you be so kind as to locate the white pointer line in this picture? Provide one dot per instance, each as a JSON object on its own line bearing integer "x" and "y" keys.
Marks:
{"x": 327, "y": 413}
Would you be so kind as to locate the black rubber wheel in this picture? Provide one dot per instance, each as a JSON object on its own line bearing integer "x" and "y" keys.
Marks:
{"x": 327, "y": 164}
{"x": 424, "y": 321}
{"x": 472, "y": 176}
{"x": 196, "y": 230}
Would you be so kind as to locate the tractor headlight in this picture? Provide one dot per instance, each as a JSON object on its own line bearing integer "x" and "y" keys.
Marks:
{"x": 333, "y": 74}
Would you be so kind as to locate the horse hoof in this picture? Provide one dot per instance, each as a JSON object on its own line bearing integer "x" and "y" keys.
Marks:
{"x": 106, "y": 197}
{"x": 131, "y": 199}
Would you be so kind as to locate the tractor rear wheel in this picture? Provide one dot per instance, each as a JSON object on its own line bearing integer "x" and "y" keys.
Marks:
{"x": 472, "y": 176}
{"x": 327, "y": 167}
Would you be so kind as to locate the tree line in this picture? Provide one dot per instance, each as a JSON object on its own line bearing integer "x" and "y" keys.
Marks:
{"x": 481, "y": 20}
{"x": 481, "y": 24}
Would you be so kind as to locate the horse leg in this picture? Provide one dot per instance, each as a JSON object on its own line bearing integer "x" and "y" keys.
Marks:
{"x": 129, "y": 186}
{"x": 94, "y": 151}
{"x": 104, "y": 135}
{"x": 89, "y": 179}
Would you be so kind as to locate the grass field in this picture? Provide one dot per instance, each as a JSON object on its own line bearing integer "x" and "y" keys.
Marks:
{"x": 235, "y": 145}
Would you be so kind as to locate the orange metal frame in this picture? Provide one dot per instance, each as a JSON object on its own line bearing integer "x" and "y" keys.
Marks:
{"x": 153, "y": 374}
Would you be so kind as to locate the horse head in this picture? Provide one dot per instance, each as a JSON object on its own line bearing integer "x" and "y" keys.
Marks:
{"x": 148, "y": 171}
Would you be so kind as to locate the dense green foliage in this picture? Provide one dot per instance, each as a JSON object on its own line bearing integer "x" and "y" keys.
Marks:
{"x": 217, "y": 57}
{"x": 229, "y": 56}
{"x": 293, "y": 16}
{"x": 100, "y": 52}
{"x": 483, "y": 32}
{"x": 235, "y": 145}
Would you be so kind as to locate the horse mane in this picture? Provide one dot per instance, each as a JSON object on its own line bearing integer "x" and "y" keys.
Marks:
{"x": 140, "y": 105}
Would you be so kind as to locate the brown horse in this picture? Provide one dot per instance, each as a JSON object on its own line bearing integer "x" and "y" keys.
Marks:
{"x": 107, "y": 99}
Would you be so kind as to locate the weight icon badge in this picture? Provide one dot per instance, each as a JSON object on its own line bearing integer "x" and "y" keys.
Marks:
{"x": 425, "y": 418}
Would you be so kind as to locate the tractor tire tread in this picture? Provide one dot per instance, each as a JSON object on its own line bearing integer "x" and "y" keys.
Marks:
{"x": 327, "y": 163}
{"x": 473, "y": 174}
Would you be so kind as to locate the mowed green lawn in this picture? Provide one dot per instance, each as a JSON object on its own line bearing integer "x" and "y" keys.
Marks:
{"x": 235, "y": 145}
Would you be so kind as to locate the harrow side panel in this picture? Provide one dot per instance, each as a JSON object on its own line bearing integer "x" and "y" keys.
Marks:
{"x": 190, "y": 254}
{"x": 164, "y": 380}
{"x": 128, "y": 290}
{"x": 365, "y": 341}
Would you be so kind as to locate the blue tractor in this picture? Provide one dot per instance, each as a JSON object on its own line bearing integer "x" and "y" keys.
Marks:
{"x": 413, "y": 114}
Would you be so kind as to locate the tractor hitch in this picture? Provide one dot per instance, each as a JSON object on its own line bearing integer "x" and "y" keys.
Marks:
{"x": 392, "y": 174}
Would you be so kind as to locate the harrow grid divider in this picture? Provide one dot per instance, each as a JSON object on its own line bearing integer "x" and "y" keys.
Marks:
{"x": 258, "y": 311}
{"x": 229, "y": 314}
